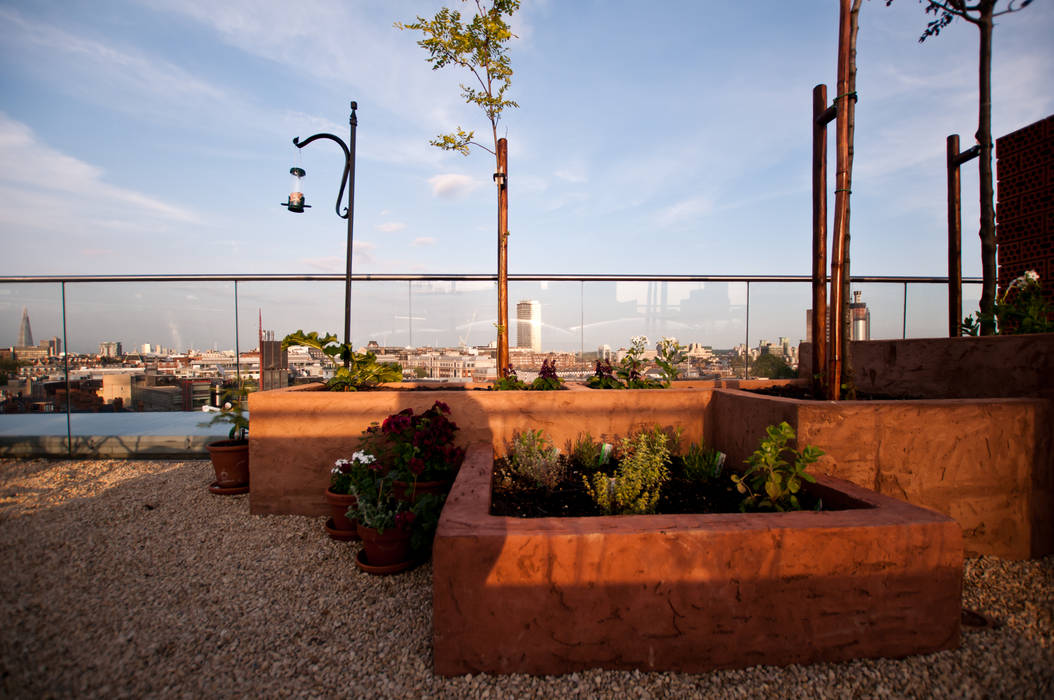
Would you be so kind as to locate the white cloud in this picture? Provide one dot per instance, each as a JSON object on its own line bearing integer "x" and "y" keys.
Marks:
{"x": 575, "y": 175}
{"x": 423, "y": 241}
{"x": 390, "y": 226}
{"x": 452, "y": 185}
{"x": 685, "y": 211}
{"x": 58, "y": 183}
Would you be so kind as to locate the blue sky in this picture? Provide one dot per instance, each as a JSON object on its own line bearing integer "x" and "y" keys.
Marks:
{"x": 155, "y": 137}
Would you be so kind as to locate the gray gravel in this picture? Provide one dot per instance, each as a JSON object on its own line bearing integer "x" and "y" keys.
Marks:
{"x": 127, "y": 578}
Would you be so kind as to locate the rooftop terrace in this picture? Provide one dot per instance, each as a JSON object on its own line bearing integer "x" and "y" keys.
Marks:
{"x": 127, "y": 578}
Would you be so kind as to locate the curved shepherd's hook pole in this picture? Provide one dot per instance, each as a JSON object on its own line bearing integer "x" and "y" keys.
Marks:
{"x": 347, "y": 181}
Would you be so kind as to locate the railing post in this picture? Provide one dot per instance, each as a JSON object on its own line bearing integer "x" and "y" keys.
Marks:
{"x": 237, "y": 350}
{"x": 582, "y": 319}
{"x": 746, "y": 353}
{"x": 904, "y": 315}
{"x": 410, "y": 312}
{"x": 66, "y": 358}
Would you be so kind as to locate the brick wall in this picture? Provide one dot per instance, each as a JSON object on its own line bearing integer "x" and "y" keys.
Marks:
{"x": 1025, "y": 210}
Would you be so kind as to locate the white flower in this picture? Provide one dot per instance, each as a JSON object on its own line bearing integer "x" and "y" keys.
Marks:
{"x": 1025, "y": 279}
{"x": 363, "y": 457}
{"x": 1031, "y": 275}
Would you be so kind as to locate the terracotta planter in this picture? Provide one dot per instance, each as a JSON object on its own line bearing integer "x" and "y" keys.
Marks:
{"x": 386, "y": 549}
{"x": 410, "y": 492}
{"x": 339, "y": 526}
{"x": 230, "y": 459}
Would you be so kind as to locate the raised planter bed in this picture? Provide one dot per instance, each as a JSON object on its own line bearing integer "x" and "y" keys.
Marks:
{"x": 689, "y": 592}
{"x": 298, "y": 433}
{"x": 984, "y": 462}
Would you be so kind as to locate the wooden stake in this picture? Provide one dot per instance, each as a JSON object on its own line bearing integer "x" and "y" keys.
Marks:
{"x": 503, "y": 258}
{"x": 821, "y": 115}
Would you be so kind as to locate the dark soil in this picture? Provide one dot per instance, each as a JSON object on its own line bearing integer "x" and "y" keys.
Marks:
{"x": 791, "y": 391}
{"x": 513, "y": 496}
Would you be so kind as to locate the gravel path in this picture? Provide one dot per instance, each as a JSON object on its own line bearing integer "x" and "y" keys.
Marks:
{"x": 127, "y": 578}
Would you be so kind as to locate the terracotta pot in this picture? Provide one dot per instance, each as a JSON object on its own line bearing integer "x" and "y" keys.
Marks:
{"x": 387, "y": 548}
{"x": 230, "y": 459}
{"x": 409, "y": 491}
{"x": 340, "y": 523}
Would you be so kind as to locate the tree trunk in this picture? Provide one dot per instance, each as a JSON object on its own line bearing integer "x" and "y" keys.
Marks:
{"x": 989, "y": 271}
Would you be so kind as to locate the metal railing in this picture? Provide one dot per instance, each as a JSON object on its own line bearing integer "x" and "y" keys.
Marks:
{"x": 364, "y": 281}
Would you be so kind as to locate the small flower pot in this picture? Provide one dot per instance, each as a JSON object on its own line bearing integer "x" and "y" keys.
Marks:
{"x": 388, "y": 548}
{"x": 339, "y": 526}
{"x": 230, "y": 460}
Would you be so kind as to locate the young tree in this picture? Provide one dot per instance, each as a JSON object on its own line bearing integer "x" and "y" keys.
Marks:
{"x": 980, "y": 13}
{"x": 480, "y": 47}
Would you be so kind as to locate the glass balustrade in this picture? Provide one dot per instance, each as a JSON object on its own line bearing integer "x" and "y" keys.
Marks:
{"x": 182, "y": 336}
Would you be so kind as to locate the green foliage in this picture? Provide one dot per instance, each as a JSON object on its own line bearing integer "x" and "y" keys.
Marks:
{"x": 1021, "y": 309}
{"x": 531, "y": 454}
{"x": 416, "y": 447}
{"x": 357, "y": 371}
{"x": 669, "y": 354}
{"x": 771, "y": 482}
{"x": 233, "y": 412}
{"x": 587, "y": 454}
{"x": 603, "y": 377}
{"x": 702, "y": 463}
{"x": 772, "y": 366}
{"x": 631, "y": 368}
{"x": 547, "y": 379}
{"x": 510, "y": 382}
{"x": 479, "y": 46}
{"x": 636, "y": 483}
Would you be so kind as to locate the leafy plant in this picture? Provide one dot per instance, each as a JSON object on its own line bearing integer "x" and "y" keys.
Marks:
{"x": 355, "y": 371}
{"x": 669, "y": 354}
{"x": 603, "y": 377}
{"x": 418, "y": 447}
{"x": 532, "y": 455}
{"x": 635, "y": 486}
{"x": 375, "y": 507}
{"x": 770, "y": 481}
{"x": 547, "y": 379}
{"x": 233, "y": 413}
{"x": 702, "y": 463}
{"x": 340, "y": 475}
{"x": 631, "y": 368}
{"x": 1021, "y": 309}
{"x": 509, "y": 381}
{"x": 588, "y": 454}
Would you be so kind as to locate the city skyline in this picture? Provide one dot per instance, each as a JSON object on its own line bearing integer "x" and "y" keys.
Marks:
{"x": 446, "y": 314}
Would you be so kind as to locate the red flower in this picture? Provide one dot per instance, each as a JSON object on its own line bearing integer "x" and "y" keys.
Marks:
{"x": 417, "y": 465}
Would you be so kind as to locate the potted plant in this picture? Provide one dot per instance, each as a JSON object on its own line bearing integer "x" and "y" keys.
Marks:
{"x": 230, "y": 457}
{"x": 384, "y": 521}
{"x": 340, "y": 498}
{"x": 417, "y": 451}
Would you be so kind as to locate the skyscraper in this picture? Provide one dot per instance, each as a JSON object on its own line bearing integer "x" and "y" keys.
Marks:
{"x": 861, "y": 318}
{"x": 529, "y": 325}
{"x": 25, "y": 333}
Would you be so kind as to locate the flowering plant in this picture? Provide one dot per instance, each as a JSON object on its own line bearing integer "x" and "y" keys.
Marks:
{"x": 375, "y": 506}
{"x": 340, "y": 475}
{"x": 417, "y": 447}
{"x": 547, "y": 380}
{"x": 1021, "y": 309}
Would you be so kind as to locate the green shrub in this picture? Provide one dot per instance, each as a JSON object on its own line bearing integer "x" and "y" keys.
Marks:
{"x": 771, "y": 482}
{"x": 703, "y": 464}
{"x": 636, "y": 484}
{"x": 531, "y": 454}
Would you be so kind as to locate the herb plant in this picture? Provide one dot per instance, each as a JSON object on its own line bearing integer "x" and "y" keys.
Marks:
{"x": 547, "y": 379}
{"x": 509, "y": 381}
{"x": 771, "y": 482}
{"x": 532, "y": 455}
{"x": 703, "y": 464}
{"x": 603, "y": 377}
{"x": 669, "y": 354}
{"x": 635, "y": 486}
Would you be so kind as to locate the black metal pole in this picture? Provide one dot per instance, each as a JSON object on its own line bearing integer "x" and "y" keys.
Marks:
{"x": 237, "y": 348}
{"x": 353, "y": 120}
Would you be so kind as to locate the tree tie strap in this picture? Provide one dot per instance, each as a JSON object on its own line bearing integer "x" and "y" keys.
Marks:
{"x": 848, "y": 94}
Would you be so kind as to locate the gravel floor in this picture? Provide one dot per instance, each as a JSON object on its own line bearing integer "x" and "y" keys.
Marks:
{"x": 127, "y": 578}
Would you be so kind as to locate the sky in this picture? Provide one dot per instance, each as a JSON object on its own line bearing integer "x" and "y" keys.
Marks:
{"x": 155, "y": 137}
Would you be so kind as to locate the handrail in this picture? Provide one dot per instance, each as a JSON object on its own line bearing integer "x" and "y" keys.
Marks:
{"x": 471, "y": 277}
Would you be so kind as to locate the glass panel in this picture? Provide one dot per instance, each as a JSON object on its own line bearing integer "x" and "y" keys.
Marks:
{"x": 28, "y": 378}
{"x": 928, "y": 310}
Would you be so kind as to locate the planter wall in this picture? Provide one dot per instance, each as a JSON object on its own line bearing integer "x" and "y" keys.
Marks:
{"x": 688, "y": 592}
{"x": 984, "y": 462}
{"x": 998, "y": 366}
{"x": 298, "y": 433}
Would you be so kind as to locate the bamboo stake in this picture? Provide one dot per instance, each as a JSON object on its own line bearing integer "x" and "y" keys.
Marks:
{"x": 955, "y": 274}
{"x": 821, "y": 115}
{"x": 503, "y": 258}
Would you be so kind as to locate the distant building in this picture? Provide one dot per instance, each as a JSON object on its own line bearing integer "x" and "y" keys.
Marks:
{"x": 111, "y": 349}
{"x": 25, "y": 333}
{"x": 529, "y": 325}
{"x": 861, "y": 318}
{"x": 274, "y": 362}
